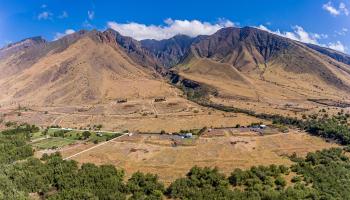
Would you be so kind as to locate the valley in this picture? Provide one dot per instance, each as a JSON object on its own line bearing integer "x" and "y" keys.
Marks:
{"x": 237, "y": 100}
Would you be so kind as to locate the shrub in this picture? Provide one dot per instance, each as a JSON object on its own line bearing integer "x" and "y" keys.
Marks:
{"x": 86, "y": 134}
{"x": 280, "y": 181}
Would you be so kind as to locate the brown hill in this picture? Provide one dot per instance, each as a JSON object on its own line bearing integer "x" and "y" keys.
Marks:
{"x": 85, "y": 67}
{"x": 251, "y": 64}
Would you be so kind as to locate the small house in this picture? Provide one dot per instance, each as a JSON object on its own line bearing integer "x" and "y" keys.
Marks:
{"x": 159, "y": 99}
{"x": 187, "y": 135}
{"x": 262, "y": 126}
{"x": 99, "y": 134}
{"x": 123, "y": 100}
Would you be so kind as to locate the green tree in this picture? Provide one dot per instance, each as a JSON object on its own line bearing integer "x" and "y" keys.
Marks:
{"x": 86, "y": 134}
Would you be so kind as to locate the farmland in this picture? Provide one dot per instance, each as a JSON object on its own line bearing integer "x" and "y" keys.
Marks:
{"x": 52, "y": 143}
{"x": 156, "y": 153}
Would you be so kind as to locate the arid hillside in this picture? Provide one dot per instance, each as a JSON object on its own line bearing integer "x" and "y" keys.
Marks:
{"x": 246, "y": 67}
{"x": 86, "y": 67}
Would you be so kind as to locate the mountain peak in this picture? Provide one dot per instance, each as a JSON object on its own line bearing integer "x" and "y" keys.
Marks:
{"x": 25, "y": 43}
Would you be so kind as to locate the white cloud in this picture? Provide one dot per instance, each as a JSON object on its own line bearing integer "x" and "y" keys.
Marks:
{"x": 66, "y": 32}
{"x": 342, "y": 32}
{"x": 342, "y": 9}
{"x": 171, "y": 28}
{"x": 264, "y": 28}
{"x": 44, "y": 6}
{"x": 299, "y": 34}
{"x": 337, "y": 46}
{"x": 91, "y": 15}
{"x": 63, "y": 15}
{"x": 331, "y": 9}
{"x": 45, "y": 15}
{"x": 304, "y": 36}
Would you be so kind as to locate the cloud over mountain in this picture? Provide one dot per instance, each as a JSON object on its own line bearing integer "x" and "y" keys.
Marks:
{"x": 66, "y": 32}
{"x": 171, "y": 28}
{"x": 299, "y": 34}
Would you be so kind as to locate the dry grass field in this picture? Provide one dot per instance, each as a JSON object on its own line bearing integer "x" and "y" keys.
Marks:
{"x": 172, "y": 115}
{"x": 155, "y": 154}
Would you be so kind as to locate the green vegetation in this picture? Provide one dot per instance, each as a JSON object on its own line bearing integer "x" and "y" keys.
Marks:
{"x": 53, "y": 143}
{"x": 86, "y": 134}
{"x": 193, "y": 131}
{"x": 92, "y": 136}
{"x": 198, "y": 92}
{"x": 37, "y": 135}
{"x": 321, "y": 175}
{"x": 330, "y": 127}
{"x": 335, "y": 127}
{"x": 13, "y": 143}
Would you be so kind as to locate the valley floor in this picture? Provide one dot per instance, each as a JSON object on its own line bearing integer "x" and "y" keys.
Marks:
{"x": 157, "y": 154}
{"x": 166, "y": 155}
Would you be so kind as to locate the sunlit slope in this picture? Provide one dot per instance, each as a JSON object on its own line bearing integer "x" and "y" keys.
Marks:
{"x": 91, "y": 70}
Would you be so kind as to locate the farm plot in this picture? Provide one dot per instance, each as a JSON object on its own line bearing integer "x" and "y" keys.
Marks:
{"x": 53, "y": 143}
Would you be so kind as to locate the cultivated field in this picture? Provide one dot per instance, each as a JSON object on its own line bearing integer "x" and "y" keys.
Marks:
{"x": 158, "y": 154}
{"x": 52, "y": 143}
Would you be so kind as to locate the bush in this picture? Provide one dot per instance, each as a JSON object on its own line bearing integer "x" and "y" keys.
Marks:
{"x": 296, "y": 179}
{"x": 280, "y": 181}
{"x": 86, "y": 134}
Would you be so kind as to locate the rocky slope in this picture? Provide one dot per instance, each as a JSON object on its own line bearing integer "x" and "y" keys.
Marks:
{"x": 243, "y": 63}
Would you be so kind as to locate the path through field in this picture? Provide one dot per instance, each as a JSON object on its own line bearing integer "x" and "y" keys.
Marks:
{"x": 103, "y": 143}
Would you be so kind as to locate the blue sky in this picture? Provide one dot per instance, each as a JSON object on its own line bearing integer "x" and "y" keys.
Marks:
{"x": 323, "y": 22}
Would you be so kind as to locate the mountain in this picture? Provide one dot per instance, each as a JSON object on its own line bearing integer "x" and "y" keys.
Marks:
{"x": 253, "y": 64}
{"x": 336, "y": 55}
{"x": 241, "y": 64}
{"x": 169, "y": 52}
{"x": 87, "y": 67}
{"x": 135, "y": 50}
{"x": 21, "y": 45}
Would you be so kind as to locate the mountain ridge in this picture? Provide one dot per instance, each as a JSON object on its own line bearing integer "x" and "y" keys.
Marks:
{"x": 243, "y": 62}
